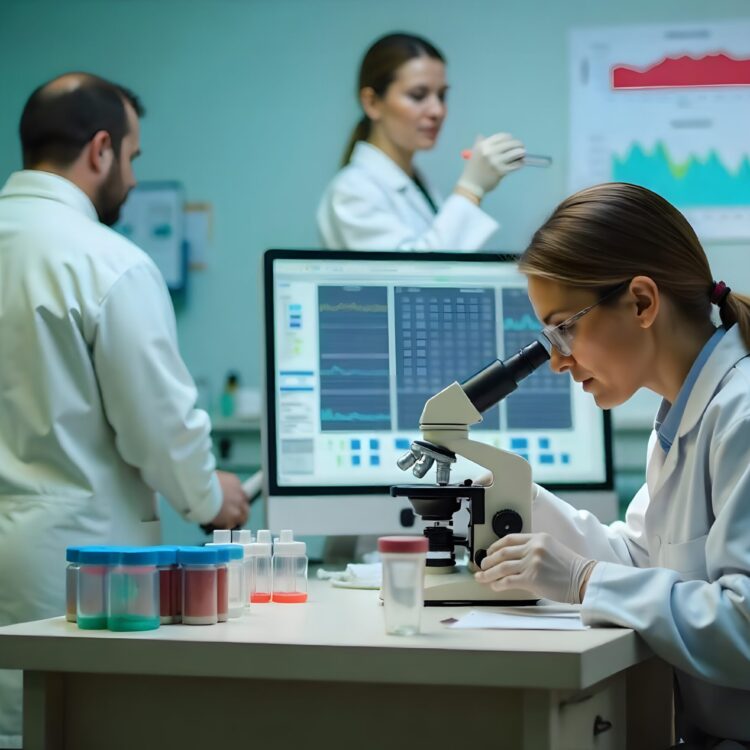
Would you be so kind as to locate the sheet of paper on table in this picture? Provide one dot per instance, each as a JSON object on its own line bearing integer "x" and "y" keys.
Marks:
{"x": 555, "y": 619}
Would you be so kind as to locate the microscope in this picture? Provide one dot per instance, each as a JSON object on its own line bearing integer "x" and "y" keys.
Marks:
{"x": 495, "y": 510}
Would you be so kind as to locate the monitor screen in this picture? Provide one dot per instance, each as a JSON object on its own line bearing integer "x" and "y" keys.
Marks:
{"x": 357, "y": 342}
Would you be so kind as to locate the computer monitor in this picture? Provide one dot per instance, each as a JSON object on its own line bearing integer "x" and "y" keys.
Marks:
{"x": 356, "y": 342}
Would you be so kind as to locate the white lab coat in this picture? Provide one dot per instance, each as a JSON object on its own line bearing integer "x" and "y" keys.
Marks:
{"x": 96, "y": 405}
{"x": 676, "y": 570}
{"x": 372, "y": 204}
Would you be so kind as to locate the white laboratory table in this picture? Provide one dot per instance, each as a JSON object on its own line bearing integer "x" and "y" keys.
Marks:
{"x": 324, "y": 674}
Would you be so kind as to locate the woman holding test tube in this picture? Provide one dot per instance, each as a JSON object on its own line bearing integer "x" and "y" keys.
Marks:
{"x": 379, "y": 201}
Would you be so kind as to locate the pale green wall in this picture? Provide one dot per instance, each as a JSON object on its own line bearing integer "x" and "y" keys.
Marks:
{"x": 250, "y": 101}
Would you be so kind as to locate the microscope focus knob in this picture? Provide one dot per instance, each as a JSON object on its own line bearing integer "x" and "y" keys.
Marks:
{"x": 506, "y": 522}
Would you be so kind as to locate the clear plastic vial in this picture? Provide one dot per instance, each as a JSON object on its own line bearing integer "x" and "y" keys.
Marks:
{"x": 244, "y": 538}
{"x": 404, "y": 560}
{"x": 133, "y": 600}
{"x": 231, "y": 555}
{"x": 170, "y": 586}
{"x": 223, "y": 578}
{"x": 259, "y": 585}
{"x": 71, "y": 583}
{"x": 289, "y": 569}
{"x": 199, "y": 585}
{"x": 94, "y": 564}
{"x": 226, "y": 573}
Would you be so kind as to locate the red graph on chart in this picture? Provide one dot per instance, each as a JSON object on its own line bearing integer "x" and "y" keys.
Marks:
{"x": 719, "y": 69}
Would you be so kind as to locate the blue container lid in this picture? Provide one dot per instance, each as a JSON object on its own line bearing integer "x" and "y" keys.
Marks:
{"x": 71, "y": 554}
{"x": 228, "y": 552}
{"x": 98, "y": 555}
{"x": 222, "y": 552}
{"x": 166, "y": 555}
{"x": 197, "y": 556}
{"x": 137, "y": 556}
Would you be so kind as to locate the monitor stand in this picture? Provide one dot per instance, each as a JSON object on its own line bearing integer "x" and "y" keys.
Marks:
{"x": 339, "y": 551}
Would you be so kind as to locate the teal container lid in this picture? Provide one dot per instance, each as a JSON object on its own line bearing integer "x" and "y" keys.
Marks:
{"x": 228, "y": 552}
{"x": 167, "y": 555}
{"x": 98, "y": 555}
{"x": 137, "y": 556}
{"x": 197, "y": 556}
{"x": 71, "y": 554}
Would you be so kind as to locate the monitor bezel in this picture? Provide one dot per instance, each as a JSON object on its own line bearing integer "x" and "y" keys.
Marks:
{"x": 268, "y": 424}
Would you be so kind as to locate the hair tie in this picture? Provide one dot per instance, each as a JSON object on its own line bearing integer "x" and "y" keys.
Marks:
{"x": 719, "y": 293}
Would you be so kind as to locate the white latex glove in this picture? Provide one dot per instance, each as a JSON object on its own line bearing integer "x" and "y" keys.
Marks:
{"x": 484, "y": 480}
{"x": 491, "y": 159}
{"x": 537, "y": 563}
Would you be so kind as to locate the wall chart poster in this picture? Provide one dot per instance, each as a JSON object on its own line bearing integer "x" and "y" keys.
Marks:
{"x": 667, "y": 107}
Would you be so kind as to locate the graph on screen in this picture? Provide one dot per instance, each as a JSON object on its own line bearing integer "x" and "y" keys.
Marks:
{"x": 376, "y": 379}
{"x": 354, "y": 372}
{"x": 667, "y": 107}
{"x": 543, "y": 399}
{"x": 442, "y": 335}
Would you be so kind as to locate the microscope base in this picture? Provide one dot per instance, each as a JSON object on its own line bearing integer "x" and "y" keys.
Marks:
{"x": 459, "y": 588}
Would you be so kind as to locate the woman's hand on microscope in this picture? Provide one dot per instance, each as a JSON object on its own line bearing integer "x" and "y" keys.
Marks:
{"x": 537, "y": 563}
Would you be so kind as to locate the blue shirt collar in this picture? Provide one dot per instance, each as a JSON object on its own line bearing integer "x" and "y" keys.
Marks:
{"x": 670, "y": 415}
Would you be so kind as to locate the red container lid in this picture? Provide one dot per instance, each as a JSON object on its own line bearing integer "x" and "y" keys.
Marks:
{"x": 402, "y": 544}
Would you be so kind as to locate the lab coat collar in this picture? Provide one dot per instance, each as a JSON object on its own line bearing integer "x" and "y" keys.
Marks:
{"x": 37, "y": 184}
{"x": 371, "y": 158}
{"x": 670, "y": 415}
{"x": 728, "y": 352}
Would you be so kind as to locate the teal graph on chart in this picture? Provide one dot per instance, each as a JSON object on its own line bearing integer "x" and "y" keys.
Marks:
{"x": 697, "y": 181}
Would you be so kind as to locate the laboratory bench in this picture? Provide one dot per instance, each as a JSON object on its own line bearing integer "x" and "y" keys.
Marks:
{"x": 325, "y": 674}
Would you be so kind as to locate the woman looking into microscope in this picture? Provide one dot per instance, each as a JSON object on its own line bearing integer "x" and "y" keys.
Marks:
{"x": 624, "y": 288}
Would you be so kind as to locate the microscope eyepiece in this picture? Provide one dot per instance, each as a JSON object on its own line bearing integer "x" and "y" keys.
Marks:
{"x": 499, "y": 379}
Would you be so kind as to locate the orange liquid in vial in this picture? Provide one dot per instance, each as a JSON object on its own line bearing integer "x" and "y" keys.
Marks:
{"x": 289, "y": 597}
{"x": 260, "y": 598}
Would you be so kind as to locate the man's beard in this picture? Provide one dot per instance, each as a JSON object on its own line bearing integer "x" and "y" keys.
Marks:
{"x": 110, "y": 197}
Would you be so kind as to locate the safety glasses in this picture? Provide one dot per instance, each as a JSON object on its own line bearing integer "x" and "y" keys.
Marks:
{"x": 561, "y": 335}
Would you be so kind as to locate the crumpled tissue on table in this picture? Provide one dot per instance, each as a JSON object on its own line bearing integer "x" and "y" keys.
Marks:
{"x": 356, "y": 576}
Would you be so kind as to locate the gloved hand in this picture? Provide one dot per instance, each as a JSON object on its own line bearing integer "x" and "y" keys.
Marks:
{"x": 491, "y": 159}
{"x": 537, "y": 563}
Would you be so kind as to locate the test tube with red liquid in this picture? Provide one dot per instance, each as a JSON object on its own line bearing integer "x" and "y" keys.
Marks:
{"x": 289, "y": 569}
{"x": 259, "y": 586}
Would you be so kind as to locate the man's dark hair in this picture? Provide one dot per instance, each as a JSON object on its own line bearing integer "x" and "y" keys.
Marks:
{"x": 57, "y": 121}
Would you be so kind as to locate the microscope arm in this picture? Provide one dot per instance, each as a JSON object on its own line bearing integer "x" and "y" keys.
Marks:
{"x": 445, "y": 422}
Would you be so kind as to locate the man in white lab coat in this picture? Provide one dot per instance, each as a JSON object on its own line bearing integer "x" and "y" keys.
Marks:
{"x": 96, "y": 406}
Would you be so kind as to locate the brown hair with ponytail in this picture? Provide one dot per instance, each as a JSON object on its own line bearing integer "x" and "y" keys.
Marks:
{"x": 607, "y": 234}
{"x": 378, "y": 70}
